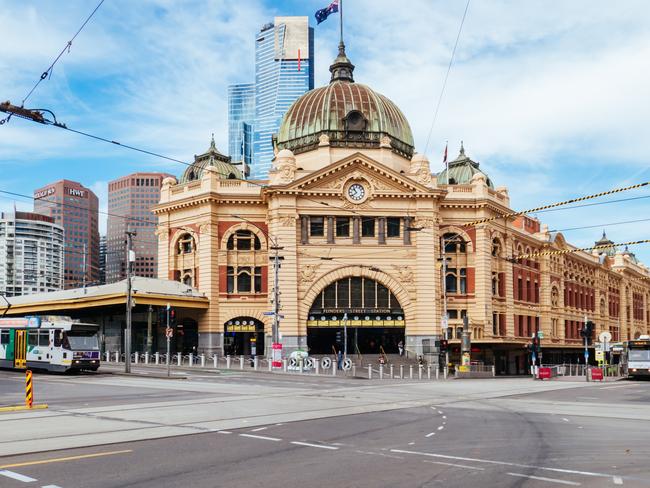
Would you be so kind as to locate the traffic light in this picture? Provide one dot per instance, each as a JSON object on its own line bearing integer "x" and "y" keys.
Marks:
{"x": 589, "y": 331}
{"x": 536, "y": 343}
{"x": 444, "y": 345}
{"x": 172, "y": 317}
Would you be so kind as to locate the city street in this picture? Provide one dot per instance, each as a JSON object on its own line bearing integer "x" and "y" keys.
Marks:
{"x": 244, "y": 429}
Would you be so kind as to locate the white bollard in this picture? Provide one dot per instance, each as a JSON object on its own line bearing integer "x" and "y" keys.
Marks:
{"x": 241, "y": 362}
{"x": 428, "y": 371}
{"x": 136, "y": 357}
{"x": 334, "y": 366}
{"x": 369, "y": 372}
{"x": 284, "y": 365}
{"x": 391, "y": 371}
{"x": 179, "y": 359}
{"x": 203, "y": 360}
{"x": 146, "y": 357}
{"x": 255, "y": 363}
{"x": 494, "y": 373}
{"x": 437, "y": 372}
{"x": 108, "y": 356}
{"x": 411, "y": 371}
{"x": 316, "y": 365}
{"x": 228, "y": 362}
{"x": 401, "y": 371}
{"x": 117, "y": 357}
{"x": 354, "y": 369}
{"x": 215, "y": 361}
{"x": 157, "y": 358}
{"x": 420, "y": 372}
{"x": 191, "y": 356}
{"x": 300, "y": 365}
{"x": 270, "y": 365}
{"x": 381, "y": 371}
{"x": 445, "y": 373}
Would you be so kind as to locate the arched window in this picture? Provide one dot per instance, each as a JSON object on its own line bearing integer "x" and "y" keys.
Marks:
{"x": 244, "y": 279}
{"x": 454, "y": 243}
{"x": 244, "y": 240}
{"x": 456, "y": 280}
{"x": 186, "y": 244}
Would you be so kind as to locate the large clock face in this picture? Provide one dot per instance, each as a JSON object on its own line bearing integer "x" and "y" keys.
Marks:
{"x": 356, "y": 192}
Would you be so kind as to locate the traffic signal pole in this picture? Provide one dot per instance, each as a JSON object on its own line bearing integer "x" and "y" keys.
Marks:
{"x": 130, "y": 257}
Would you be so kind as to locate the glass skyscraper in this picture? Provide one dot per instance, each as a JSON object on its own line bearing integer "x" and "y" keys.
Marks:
{"x": 241, "y": 115}
{"x": 284, "y": 70}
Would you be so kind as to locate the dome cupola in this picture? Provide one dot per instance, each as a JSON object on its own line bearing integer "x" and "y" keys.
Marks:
{"x": 349, "y": 114}
{"x": 461, "y": 171}
{"x": 212, "y": 157}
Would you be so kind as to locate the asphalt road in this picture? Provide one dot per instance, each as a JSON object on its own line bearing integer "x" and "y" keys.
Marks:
{"x": 454, "y": 442}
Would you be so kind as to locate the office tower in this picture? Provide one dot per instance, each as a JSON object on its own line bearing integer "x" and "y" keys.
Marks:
{"x": 241, "y": 115}
{"x": 130, "y": 199}
{"x": 102, "y": 260}
{"x": 31, "y": 254}
{"x": 76, "y": 209}
{"x": 284, "y": 70}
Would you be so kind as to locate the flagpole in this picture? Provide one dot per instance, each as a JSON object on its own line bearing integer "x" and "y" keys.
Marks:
{"x": 341, "y": 19}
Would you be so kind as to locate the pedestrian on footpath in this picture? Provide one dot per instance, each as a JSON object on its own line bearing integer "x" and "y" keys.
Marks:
{"x": 400, "y": 348}
{"x": 339, "y": 360}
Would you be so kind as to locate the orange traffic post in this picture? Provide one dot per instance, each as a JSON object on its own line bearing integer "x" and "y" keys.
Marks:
{"x": 29, "y": 389}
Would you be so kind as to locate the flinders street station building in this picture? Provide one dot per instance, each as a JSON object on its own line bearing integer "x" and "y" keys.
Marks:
{"x": 353, "y": 228}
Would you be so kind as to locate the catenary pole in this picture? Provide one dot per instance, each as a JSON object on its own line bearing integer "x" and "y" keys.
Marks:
{"x": 130, "y": 257}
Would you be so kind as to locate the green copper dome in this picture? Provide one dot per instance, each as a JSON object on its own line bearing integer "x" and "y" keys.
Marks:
{"x": 349, "y": 114}
{"x": 461, "y": 171}
{"x": 225, "y": 168}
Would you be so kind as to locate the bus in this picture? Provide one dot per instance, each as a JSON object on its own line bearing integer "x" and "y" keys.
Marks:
{"x": 637, "y": 357}
{"x": 47, "y": 342}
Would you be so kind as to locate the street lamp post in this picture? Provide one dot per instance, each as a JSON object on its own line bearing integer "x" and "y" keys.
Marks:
{"x": 130, "y": 258}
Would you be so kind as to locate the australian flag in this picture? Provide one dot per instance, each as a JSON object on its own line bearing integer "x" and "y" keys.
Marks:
{"x": 323, "y": 13}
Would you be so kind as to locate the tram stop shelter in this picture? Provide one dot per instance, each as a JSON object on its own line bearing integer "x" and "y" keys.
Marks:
{"x": 105, "y": 305}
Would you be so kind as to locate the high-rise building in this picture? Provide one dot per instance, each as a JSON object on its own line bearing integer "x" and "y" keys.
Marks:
{"x": 241, "y": 116}
{"x": 31, "y": 254}
{"x": 102, "y": 260}
{"x": 284, "y": 70}
{"x": 76, "y": 209}
{"x": 130, "y": 199}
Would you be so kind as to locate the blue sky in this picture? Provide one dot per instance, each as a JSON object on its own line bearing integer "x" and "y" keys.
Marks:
{"x": 550, "y": 96}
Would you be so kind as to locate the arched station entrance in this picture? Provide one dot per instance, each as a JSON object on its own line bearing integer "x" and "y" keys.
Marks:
{"x": 244, "y": 336}
{"x": 369, "y": 310}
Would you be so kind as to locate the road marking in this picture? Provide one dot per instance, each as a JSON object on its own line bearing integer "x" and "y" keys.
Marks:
{"x": 441, "y": 427}
{"x": 16, "y": 476}
{"x": 444, "y": 416}
{"x": 320, "y": 446}
{"x": 503, "y": 463}
{"x": 440, "y": 412}
{"x": 429, "y": 434}
{"x": 566, "y": 420}
{"x": 456, "y": 465}
{"x": 378, "y": 454}
{"x": 259, "y": 429}
{"x": 541, "y": 478}
{"x": 617, "y": 480}
{"x": 252, "y": 436}
{"x": 411, "y": 443}
{"x": 50, "y": 486}
{"x": 70, "y": 458}
{"x": 224, "y": 432}
{"x": 612, "y": 387}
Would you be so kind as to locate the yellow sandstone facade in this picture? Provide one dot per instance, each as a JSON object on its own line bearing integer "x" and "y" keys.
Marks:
{"x": 358, "y": 221}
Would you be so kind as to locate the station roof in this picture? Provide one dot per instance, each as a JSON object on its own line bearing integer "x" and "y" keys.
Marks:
{"x": 146, "y": 291}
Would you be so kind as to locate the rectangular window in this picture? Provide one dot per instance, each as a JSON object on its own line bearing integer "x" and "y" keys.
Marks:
{"x": 231, "y": 279}
{"x": 44, "y": 338}
{"x": 4, "y": 337}
{"x": 367, "y": 227}
{"x": 463, "y": 281}
{"x": 355, "y": 292}
{"x": 450, "y": 281}
{"x": 342, "y": 226}
{"x": 369, "y": 294}
{"x": 382, "y": 296}
{"x": 393, "y": 226}
{"x": 343, "y": 294}
{"x": 258, "y": 280}
{"x": 32, "y": 338}
{"x": 453, "y": 314}
{"x": 316, "y": 226}
{"x": 495, "y": 324}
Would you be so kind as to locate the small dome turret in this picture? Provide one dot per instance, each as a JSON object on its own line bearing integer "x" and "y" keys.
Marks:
{"x": 461, "y": 171}
{"x": 221, "y": 164}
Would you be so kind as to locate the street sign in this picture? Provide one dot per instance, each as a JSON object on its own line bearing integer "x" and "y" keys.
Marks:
{"x": 169, "y": 332}
{"x": 347, "y": 364}
{"x": 605, "y": 336}
{"x": 268, "y": 313}
{"x": 597, "y": 374}
{"x": 600, "y": 355}
{"x": 540, "y": 334}
{"x": 544, "y": 373}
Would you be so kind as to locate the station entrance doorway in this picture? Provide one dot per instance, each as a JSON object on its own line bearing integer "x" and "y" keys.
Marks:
{"x": 369, "y": 310}
{"x": 244, "y": 336}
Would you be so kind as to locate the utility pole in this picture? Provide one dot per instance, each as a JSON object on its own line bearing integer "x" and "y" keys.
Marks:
{"x": 466, "y": 346}
{"x": 445, "y": 315}
{"x": 130, "y": 258}
{"x": 345, "y": 336}
{"x": 586, "y": 349}
{"x": 149, "y": 330}
{"x": 276, "y": 293}
{"x": 169, "y": 340}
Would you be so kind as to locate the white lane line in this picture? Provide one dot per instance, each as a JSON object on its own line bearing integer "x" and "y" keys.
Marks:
{"x": 16, "y": 476}
{"x": 541, "y": 478}
{"x": 566, "y": 420}
{"x": 378, "y": 454}
{"x": 441, "y": 427}
{"x": 456, "y": 465}
{"x": 320, "y": 446}
{"x": 503, "y": 463}
{"x": 411, "y": 443}
{"x": 224, "y": 432}
{"x": 50, "y": 486}
{"x": 264, "y": 438}
{"x": 430, "y": 434}
{"x": 444, "y": 416}
{"x": 440, "y": 412}
{"x": 612, "y": 387}
{"x": 617, "y": 480}
{"x": 259, "y": 429}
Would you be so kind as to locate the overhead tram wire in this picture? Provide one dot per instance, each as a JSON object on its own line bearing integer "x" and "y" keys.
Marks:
{"x": 48, "y": 72}
{"x": 556, "y": 252}
{"x": 600, "y": 225}
{"x": 444, "y": 84}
